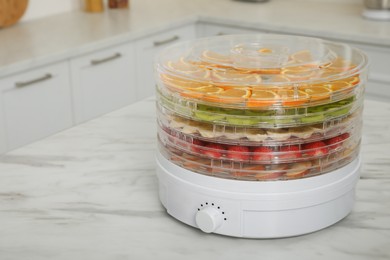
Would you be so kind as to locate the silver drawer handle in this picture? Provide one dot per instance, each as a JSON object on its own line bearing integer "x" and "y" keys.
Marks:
{"x": 172, "y": 39}
{"x": 33, "y": 81}
{"x": 113, "y": 57}
{"x": 221, "y": 33}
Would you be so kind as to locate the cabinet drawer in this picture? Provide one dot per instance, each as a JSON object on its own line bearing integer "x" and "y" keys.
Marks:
{"x": 36, "y": 104}
{"x": 146, "y": 50}
{"x": 103, "y": 81}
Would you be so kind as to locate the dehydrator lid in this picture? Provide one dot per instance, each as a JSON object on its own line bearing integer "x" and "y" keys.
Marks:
{"x": 263, "y": 70}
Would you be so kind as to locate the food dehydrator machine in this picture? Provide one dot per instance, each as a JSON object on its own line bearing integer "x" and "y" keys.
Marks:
{"x": 259, "y": 135}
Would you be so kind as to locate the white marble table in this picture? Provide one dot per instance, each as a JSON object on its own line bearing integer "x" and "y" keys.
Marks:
{"x": 90, "y": 192}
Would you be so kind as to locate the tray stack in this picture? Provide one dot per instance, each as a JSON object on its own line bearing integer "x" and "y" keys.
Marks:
{"x": 260, "y": 107}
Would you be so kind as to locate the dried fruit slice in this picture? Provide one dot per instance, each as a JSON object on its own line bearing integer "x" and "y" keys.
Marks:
{"x": 230, "y": 77}
{"x": 233, "y": 95}
{"x": 298, "y": 170}
{"x": 180, "y": 84}
{"x": 340, "y": 65}
{"x": 317, "y": 92}
{"x": 262, "y": 98}
{"x": 302, "y": 56}
{"x": 215, "y": 59}
{"x": 299, "y": 73}
{"x": 293, "y": 97}
{"x": 274, "y": 172}
{"x": 201, "y": 92}
{"x": 189, "y": 69}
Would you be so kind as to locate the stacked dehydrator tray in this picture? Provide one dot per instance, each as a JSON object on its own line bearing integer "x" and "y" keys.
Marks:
{"x": 259, "y": 135}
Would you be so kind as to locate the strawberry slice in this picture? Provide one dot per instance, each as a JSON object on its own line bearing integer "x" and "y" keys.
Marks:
{"x": 213, "y": 150}
{"x": 315, "y": 149}
{"x": 197, "y": 145}
{"x": 262, "y": 153}
{"x": 290, "y": 152}
{"x": 238, "y": 152}
{"x": 334, "y": 142}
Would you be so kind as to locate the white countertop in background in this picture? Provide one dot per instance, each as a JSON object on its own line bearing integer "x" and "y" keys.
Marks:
{"x": 90, "y": 192}
{"x": 30, "y": 44}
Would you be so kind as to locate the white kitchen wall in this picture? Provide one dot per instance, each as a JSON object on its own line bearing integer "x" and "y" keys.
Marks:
{"x": 42, "y": 8}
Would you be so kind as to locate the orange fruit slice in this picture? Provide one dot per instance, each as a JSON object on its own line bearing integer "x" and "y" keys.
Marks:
{"x": 182, "y": 66}
{"x": 202, "y": 92}
{"x": 265, "y": 50}
{"x": 317, "y": 92}
{"x": 262, "y": 98}
{"x": 337, "y": 85}
{"x": 232, "y": 95}
{"x": 180, "y": 84}
{"x": 274, "y": 79}
{"x": 353, "y": 80}
{"x": 188, "y": 68}
{"x": 302, "y": 56}
{"x": 230, "y": 77}
{"x": 340, "y": 64}
{"x": 215, "y": 59}
{"x": 293, "y": 97}
{"x": 298, "y": 73}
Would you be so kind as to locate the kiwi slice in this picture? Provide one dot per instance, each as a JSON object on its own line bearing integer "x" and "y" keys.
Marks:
{"x": 209, "y": 117}
{"x": 242, "y": 121}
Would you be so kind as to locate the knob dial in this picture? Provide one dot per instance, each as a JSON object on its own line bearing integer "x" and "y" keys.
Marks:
{"x": 208, "y": 219}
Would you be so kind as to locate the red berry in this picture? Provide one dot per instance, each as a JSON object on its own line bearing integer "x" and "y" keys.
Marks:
{"x": 262, "y": 153}
{"x": 213, "y": 150}
{"x": 238, "y": 152}
{"x": 290, "y": 152}
{"x": 315, "y": 149}
{"x": 345, "y": 136}
{"x": 334, "y": 142}
{"x": 196, "y": 145}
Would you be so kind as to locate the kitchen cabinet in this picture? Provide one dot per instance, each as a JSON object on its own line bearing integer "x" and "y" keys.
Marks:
{"x": 379, "y": 75}
{"x": 103, "y": 81}
{"x": 35, "y": 104}
{"x": 207, "y": 30}
{"x": 146, "y": 50}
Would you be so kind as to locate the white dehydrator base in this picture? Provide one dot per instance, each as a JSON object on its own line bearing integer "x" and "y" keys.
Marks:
{"x": 251, "y": 209}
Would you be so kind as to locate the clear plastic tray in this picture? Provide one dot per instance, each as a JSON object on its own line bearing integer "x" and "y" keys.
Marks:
{"x": 251, "y": 171}
{"x": 261, "y": 71}
{"x": 278, "y": 118}
{"x": 191, "y": 129}
{"x": 264, "y": 153}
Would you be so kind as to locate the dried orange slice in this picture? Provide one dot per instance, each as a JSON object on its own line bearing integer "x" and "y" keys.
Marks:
{"x": 353, "y": 80}
{"x": 265, "y": 50}
{"x": 202, "y": 92}
{"x": 230, "y": 77}
{"x": 340, "y": 65}
{"x": 302, "y": 56}
{"x": 232, "y": 95}
{"x": 262, "y": 98}
{"x": 182, "y": 66}
{"x": 275, "y": 78}
{"x": 298, "y": 73}
{"x": 337, "y": 85}
{"x": 215, "y": 58}
{"x": 180, "y": 84}
{"x": 317, "y": 92}
{"x": 293, "y": 97}
{"x": 188, "y": 68}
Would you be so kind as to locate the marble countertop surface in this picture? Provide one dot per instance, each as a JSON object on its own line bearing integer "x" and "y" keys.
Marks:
{"x": 90, "y": 192}
{"x": 42, "y": 41}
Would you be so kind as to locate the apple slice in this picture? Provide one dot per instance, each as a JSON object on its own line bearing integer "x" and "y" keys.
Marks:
{"x": 298, "y": 170}
{"x": 274, "y": 172}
